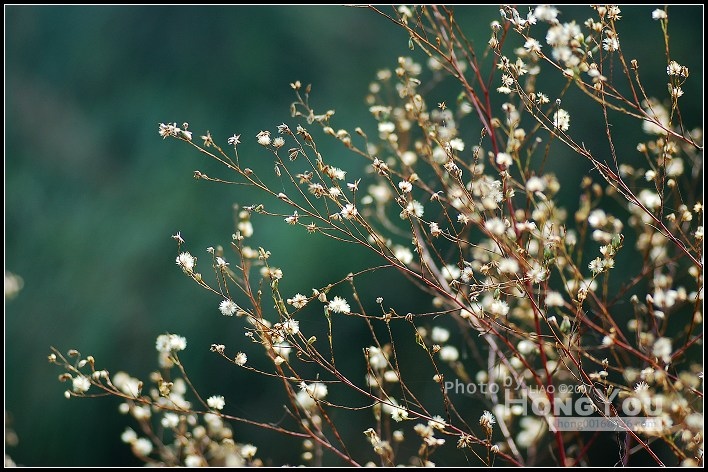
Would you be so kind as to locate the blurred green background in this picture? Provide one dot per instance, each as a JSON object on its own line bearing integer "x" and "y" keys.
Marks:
{"x": 93, "y": 194}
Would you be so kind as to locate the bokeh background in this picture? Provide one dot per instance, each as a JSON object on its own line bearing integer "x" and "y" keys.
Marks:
{"x": 92, "y": 194}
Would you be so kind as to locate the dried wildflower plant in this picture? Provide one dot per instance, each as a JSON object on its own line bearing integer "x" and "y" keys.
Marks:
{"x": 475, "y": 222}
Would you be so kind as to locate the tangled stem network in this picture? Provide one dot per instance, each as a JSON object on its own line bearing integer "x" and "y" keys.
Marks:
{"x": 529, "y": 320}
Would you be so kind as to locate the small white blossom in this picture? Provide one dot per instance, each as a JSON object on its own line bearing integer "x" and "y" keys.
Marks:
{"x": 221, "y": 263}
{"x": 610, "y": 43}
{"x": 554, "y": 299}
{"x": 495, "y": 226}
{"x": 498, "y": 308}
{"x": 674, "y": 68}
{"x": 141, "y": 412}
{"x": 676, "y": 92}
{"x": 298, "y": 301}
{"x": 127, "y": 384}
{"x": 546, "y": 13}
{"x": 542, "y": 98}
{"x": 437, "y": 422}
{"x": 80, "y": 384}
{"x": 440, "y": 335}
{"x": 650, "y": 199}
{"x": 386, "y": 128}
{"x": 532, "y": 45}
{"x": 170, "y": 420}
{"x": 403, "y": 254}
{"x": 194, "y": 460}
{"x": 675, "y": 167}
{"x": 409, "y": 158}
{"x": 530, "y": 18}
{"x": 561, "y": 120}
{"x": 405, "y": 186}
{"x": 537, "y": 274}
{"x": 487, "y": 421}
{"x": 246, "y": 228}
{"x": 166, "y": 130}
{"x": 336, "y": 173}
{"x": 451, "y": 272}
{"x": 526, "y": 347}
{"x": 309, "y": 394}
{"x": 170, "y": 343}
{"x": 291, "y": 327}
{"x": 248, "y": 451}
{"x": 435, "y": 230}
{"x": 467, "y": 274}
{"x": 278, "y": 142}
{"x": 99, "y": 374}
{"x": 397, "y": 412}
{"x": 377, "y": 358}
{"x": 128, "y": 436}
{"x": 449, "y": 353}
{"x": 535, "y": 184}
{"x": 413, "y": 208}
{"x": 142, "y": 447}
{"x": 292, "y": 219}
{"x": 504, "y": 159}
{"x": 597, "y": 218}
{"x": 263, "y": 138}
{"x": 216, "y": 402}
{"x": 658, "y": 14}
{"x": 339, "y": 305}
{"x": 349, "y": 211}
{"x": 186, "y": 261}
{"x": 662, "y": 349}
{"x": 283, "y": 351}
{"x": 508, "y": 265}
{"x": 217, "y": 348}
{"x": 228, "y": 307}
{"x": 457, "y": 144}
{"x": 596, "y": 265}
{"x": 531, "y": 429}
{"x": 380, "y": 166}
{"x": 241, "y": 358}
{"x": 272, "y": 273}
{"x": 659, "y": 122}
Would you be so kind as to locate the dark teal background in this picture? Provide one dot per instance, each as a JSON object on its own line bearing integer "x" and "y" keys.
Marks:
{"x": 92, "y": 193}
